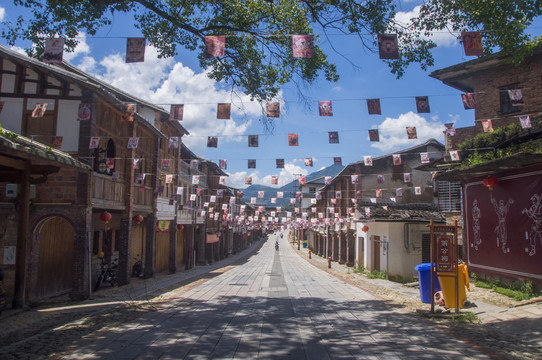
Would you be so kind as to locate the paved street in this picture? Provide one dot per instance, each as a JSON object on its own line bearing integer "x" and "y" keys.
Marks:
{"x": 273, "y": 306}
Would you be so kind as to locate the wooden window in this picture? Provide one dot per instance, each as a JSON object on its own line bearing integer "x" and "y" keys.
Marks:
{"x": 505, "y": 103}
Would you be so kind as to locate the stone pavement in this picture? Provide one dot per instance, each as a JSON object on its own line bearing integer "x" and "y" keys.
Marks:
{"x": 515, "y": 323}
{"x": 502, "y": 326}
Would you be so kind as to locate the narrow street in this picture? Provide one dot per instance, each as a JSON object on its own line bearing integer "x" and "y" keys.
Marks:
{"x": 273, "y": 306}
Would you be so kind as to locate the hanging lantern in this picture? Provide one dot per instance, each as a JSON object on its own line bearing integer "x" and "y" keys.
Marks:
{"x": 138, "y": 219}
{"x": 105, "y": 217}
{"x": 490, "y": 182}
{"x": 180, "y": 227}
{"x": 365, "y": 228}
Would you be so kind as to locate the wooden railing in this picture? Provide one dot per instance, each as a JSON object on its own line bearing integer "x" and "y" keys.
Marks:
{"x": 106, "y": 190}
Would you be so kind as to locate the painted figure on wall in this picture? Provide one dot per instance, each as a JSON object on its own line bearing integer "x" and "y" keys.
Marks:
{"x": 501, "y": 209}
{"x": 535, "y": 215}
{"x": 476, "y": 215}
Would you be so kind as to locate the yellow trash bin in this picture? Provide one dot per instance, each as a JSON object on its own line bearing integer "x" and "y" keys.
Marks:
{"x": 448, "y": 285}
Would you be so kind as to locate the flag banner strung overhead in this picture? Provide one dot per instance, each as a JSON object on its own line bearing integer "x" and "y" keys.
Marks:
{"x": 399, "y": 192}
{"x": 417, "y": 190}
{"x": 221, "y": 181}
{"x": 450, "y": 129}
{"x": 54, "y": 50}
{"x": 302, "y": 46}
{"x": 338, "y": 195}
{"x": 378, "y": 193}
{"x": 411, "y": 132}
{"x": 472, "y": 43}
{"x": 373, "y": 107}
{"x": 251, "y": 163}
{"x": 253, "y": 141}
{"x": 94, "y": 142}
{"x": 407, "y": 177}
{"x": 165, "y": 164}
{"x": 248, "y": 180}
{"x": 373, "y": 135}
{"x": 293, "y": 140}
{"x": 355, "y": 179}
{"x": 387, "y": 46}
{"x": 163, "y": 226}
{"x": 261, "y": 194}
{"x": 525, "y": 121}
{"x": 212, "y": 141}
{"x": 127, "y": 112}
{"x": 468, "y": 101}
{"x": 396, "y": 159}
{"x": 333, "y": 137}
{"x": 176, "y": 112}
{"x": 327, "y": 180}
{"x": 195, "y": 179}
{"x": 57, "y": 142}
{"x": 173, "y": 142}
{"x": 135, "y": 50}
{"x": 308, "y": 162}
{"x": 169, "y": 179}
{"x": 115, "y": 176}
{"x": 85, "y": 112}
{"x": 422, "y": 104}
{"x": 140, "y": 177}
{"x": 214, "y": 46}
{"x": 132, "y": 142}
{"x": 454, "y": 155}
{"x": 39, "y": 110}
{"x": 338, "y": 161}
{"x": 516, "y": 98}
{"x": 223, "y": 111}
{"x": 194, "y": 164}
{"x": 487, "y": 125}
{"x": 280, "y": 194}
{"x": 380, "y": 178}
{"x": 136, "y": 164}
{"x": 272, "y": 109}
{"x": 424, "y": 158}
{"x": 324, "y": 108}
{"x": 223, "y": 164}
{"x": 368, "y": 160}
{"x": 274, "y": 180}
{"x": 280, "y": 163}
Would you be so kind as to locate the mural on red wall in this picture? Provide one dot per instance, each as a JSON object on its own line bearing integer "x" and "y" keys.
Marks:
{"x": 503, "y": 224}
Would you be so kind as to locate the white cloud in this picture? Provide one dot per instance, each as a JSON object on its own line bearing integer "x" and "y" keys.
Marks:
{"x": 2, "y": 13}
{"x": 441, "y": 38}
{"x": 165, "y": 81}
{"x": 393, "y": 134}
{"x": 82, "y": 48}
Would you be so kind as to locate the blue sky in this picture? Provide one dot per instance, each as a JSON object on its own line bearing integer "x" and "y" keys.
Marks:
{"x": 180, "y": 80}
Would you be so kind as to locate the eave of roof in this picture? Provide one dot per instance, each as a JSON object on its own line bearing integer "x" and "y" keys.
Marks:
{"x": 490, "y": 167}
{"x": 29, "y": 147}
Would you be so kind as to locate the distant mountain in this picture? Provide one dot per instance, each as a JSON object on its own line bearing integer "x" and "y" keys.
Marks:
{"x": 289, "y": 189}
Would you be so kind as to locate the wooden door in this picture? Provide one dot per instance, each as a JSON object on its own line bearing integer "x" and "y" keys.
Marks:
{"x": 137, "y": 247}
{"x": 162, "y": 251}
{"x": 376, "y": 252}
{"x": 179, "y": 256}
{"x": 55, "y": 258}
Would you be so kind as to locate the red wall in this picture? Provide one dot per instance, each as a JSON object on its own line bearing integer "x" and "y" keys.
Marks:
{"x": 518, "y": 196}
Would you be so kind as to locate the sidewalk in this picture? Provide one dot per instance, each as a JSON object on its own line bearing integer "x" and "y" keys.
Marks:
{"x": 513, "y": 323}
{"x": 19, "y": 324}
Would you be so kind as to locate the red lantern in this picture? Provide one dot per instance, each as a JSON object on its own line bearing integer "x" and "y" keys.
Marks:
{"x": 365, "y": 228}
{"x": 490, "y": 182}
{"x": 105, "y": 217}
{"x": 138, "y": 219}
{"x": 180, "y": 227}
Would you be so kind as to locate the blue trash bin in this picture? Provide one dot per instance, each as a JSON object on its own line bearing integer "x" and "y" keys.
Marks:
{"x": 304, "y": 244}
{"x": 424, "y": 280}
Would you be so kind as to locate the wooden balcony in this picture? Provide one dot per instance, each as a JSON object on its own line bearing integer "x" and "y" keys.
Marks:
{"x": 107, "y": 193}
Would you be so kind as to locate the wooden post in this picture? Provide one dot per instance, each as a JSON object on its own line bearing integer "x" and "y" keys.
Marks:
{"x": 19, "y": 296}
